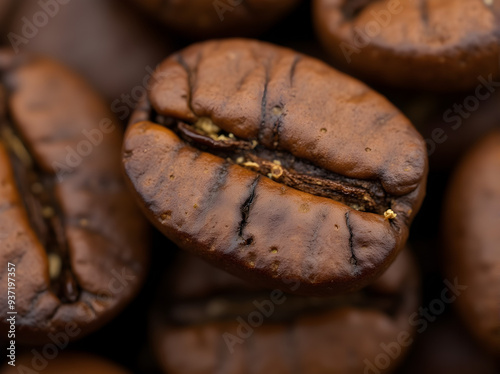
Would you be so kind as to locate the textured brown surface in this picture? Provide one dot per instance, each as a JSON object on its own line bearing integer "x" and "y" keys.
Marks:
{"x": 472, "y": 233}
{"x": 325, "y": 128}
{"x": 98, "y": 230}
{"x": 302, "y": 335}
{"x": 203, "y": 19}
{"x": 429, "y": 44}
{"x": 104, "y": 40}
{"x": 65, "y": 363}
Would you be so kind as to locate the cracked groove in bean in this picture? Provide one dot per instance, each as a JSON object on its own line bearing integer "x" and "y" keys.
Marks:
{"x": 43, "y": 211}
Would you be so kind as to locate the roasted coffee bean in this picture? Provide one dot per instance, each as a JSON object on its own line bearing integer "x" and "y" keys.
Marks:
{"x": 274, "y": 166}
{"x": 104, "y": 40}
{"x": 472, "y": 236}
{"x": 63, "y": 363}
{"x": 202, "y": 19}
{"x": 417, "y": 44}
{"x": 222, "y": 325}
{"x": 72, "y": 241}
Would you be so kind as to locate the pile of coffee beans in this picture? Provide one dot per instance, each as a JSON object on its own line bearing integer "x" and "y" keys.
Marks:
{"x": 250, "y": 186}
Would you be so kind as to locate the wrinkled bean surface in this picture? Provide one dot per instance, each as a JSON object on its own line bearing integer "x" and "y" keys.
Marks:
{"x": 199, "y": 329}
{"x": 274, "y": 166}
{"x": 67, "y": 221}
{"x": 417, "y": 44}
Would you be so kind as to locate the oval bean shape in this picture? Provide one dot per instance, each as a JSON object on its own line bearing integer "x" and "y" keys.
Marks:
{"x": 211, "y": 323}
{"x": 471, "y": 227}
{"x": 274, "y": 166}
{"x": 426, "y": 44}
{"x": 73, "y": 244}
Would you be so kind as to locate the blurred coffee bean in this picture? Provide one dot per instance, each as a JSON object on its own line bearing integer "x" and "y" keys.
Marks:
{"x": 207, "y": 321}
{"x": 471, "y": 231}
{"x": 203, "y": 19}
{"x": 73, "y": 243}
{"x": 107, "y": 41}
{"x": 439, "y": 46}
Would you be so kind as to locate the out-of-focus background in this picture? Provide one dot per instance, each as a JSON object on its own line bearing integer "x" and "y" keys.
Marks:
{"x": 115, "y": 45}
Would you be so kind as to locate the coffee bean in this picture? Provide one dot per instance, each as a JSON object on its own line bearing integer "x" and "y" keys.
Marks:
{"x": 69, "y": 236}
{"x": 114, "y": 48}
{"x": 202, "y": 19}
{"x": 212, "y": 322}
{"x": 471, "y": 224}
{"x": 272, "y": 194}
{"x": 428, "y": 45}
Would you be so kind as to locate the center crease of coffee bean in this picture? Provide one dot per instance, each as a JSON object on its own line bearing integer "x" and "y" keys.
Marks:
{"x": 229, "y": 306}
{"x": 282, "y": 167}
{"x": 45, "y": 217}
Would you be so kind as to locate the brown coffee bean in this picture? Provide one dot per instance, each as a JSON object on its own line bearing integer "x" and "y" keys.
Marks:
{"x": 203, "y": 19}
{"x": 471, "y": 225}
{"x": 68, "y": 225}
{"x": 63, "y": 363}
{"x": 222, "y": 325}
{"x": 416, "y": 44}
{"x": 274, "y": 166}
{"x": 104, "y": 40}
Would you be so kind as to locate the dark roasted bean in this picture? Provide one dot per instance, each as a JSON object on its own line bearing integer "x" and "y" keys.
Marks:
{"x": 472, "y": 236}
{"x": 202, "y": 19}
{"x": 416, "y": 44}
{"x": 212, "y": 321}
{"x": 113, "y": 48}
{"x": 274, "y": 166}
{"x": 69, "y": 227}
